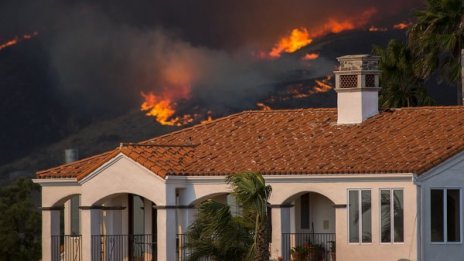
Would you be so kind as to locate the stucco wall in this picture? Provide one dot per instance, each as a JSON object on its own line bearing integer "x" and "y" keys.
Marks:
{"x": 123, "y": 175}
{"x": 336, "y": 190}
{"x": 447, "y": 175}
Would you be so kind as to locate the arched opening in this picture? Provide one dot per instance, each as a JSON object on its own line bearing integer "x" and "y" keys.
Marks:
{"x": 126, "y": 228}
{"x": 311, "y": 231}
{"x": 66, "y": 229}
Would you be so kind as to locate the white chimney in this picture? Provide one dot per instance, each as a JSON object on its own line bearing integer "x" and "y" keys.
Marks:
{"x": 357, "y": 87}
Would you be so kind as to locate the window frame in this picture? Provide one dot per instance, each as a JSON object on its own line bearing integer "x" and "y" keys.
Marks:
{"x": 445, "y": 216}
{"x": 392, "y": 217}
{"x": 360, "y": 221}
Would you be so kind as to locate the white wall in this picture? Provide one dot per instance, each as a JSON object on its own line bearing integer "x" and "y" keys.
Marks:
{"x": 335, "y": 188}
{"x": 122, "y": 175}
{"x": 448, "y": 175}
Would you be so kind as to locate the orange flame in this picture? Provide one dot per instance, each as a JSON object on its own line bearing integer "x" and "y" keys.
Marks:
{"x": 310, "y": 56}
{"x": 163, "y": 110}
{"x": 301, "y": 37}
{"x": 17, "y": 39}
{"x": 209, "y": 119}
{"x": 298, "y": 38}
{"x": 401, "y": 26}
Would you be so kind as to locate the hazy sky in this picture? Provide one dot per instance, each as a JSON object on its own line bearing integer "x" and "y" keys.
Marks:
{"x": 104, "y": 53}
{"x": 214, "y": 23}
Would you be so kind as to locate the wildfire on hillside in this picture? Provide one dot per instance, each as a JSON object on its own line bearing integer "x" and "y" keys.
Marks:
{"x": 163, "y": 109}
{"x": 402, "y": 25}
{"x": 301, "y": 37}
{"x": 310, "y": 56}
{"x": 17, "y": 39}
{"x": 298, "y": 38}
{"x": 301, "y": 90}
{"x": 179, "y": 75}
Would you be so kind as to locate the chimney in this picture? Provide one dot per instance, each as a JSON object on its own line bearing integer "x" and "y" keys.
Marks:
{"x": 70, "y": 155}
{"x": 357, "y": 87}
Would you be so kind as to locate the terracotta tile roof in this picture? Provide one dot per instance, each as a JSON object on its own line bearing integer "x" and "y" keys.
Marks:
{"x": 306, "y": 141}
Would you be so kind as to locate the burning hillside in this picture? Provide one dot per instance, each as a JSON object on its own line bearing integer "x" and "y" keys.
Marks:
{"x": 187, "y": 71}
{"x": 17, "y": 39}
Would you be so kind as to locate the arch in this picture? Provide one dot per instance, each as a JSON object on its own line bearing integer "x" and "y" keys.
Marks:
{"x": 283, "y": 194}
{"x": 62, "y": 200}
{"x": 300, "y": 193}
{"x": 205, "y": 197}
{"x": 116, "y": 194}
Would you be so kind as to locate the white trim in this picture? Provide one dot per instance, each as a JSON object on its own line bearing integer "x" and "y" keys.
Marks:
{"x": 360, "y": 220}
{"x": 57, "y": 182}
{"x": 392, "y": 216}
{"x": 339, "y": 177}
{"x": 442, "y": 167}
{"x": 112, "y": 161}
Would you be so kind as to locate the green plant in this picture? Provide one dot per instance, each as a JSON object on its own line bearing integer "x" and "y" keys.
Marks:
{"x": 308, "y": 252}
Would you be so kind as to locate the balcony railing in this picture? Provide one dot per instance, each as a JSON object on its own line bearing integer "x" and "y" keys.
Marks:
{"x": 308, "y": 246}
{"x": 124, "y": 247}
{"x": 66, "y": 248}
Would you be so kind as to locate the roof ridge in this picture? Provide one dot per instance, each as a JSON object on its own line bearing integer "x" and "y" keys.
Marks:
{"x": 449, "y": 107}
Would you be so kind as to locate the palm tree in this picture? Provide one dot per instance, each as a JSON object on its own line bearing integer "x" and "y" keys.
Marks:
{"x": 436, "y": 40}
{"x": 252, "y": 194}
{"x": 400, "y": 87}
{"x": 217, "y": 234}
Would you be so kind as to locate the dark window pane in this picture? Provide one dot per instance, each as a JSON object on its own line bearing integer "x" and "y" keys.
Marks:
{"x": 385, "y": 215}
{"x": 138, "y": 215}
{"x": 453, "y": 216}
{"x": 304, "y": 203}
{"x": 398, "y": 215}
{"x": 75, "y": 220}
{"x": 436, "y": 215}
{"x": 366, "y": 216}
{"x": 354, "y": 216}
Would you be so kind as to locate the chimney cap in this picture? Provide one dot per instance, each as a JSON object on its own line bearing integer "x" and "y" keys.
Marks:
{"x": 358, "y": 57}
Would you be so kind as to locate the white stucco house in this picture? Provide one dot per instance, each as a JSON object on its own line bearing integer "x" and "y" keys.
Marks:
{"x": 382, "y": 185}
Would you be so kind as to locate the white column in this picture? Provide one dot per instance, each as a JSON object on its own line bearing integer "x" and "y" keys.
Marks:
{"x": 280, "y": 224}
{"x": 166, "y": 238}
{"x": 50, "y": 227}
{"x": 90, "y": 226}
{"x": 67, "y": 217}
{"x": 148, "y": 228}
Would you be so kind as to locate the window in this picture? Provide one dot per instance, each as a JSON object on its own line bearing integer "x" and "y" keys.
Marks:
{"x": 304, "y": 203}
{"x": 445, "y": 208}
{"x": 359, "y": 209}
{"x": 391, "y": 215}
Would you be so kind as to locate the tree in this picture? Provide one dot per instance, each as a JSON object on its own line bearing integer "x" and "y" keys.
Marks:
{"x": 252, "y": 194}
{"x": 218, "y": 234}
{"x": 20, "y": 224}
{"x": 400, "y": 87}
{"x": 436, "y": 40}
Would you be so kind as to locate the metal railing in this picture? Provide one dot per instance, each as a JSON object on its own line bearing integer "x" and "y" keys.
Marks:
{"x": 124, "y": 248}
{"x": 66, "y": 248}
{"x": 183, "y": 251}
{"x": 308, "y": 246}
